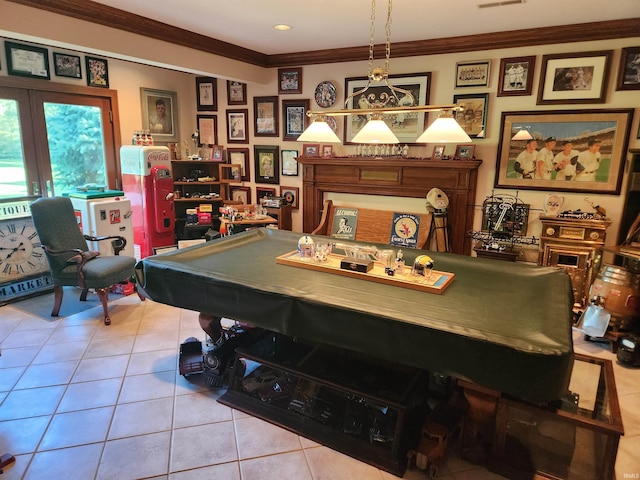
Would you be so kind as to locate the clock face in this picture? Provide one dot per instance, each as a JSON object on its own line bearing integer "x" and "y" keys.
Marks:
{"x": 21, "y": 253}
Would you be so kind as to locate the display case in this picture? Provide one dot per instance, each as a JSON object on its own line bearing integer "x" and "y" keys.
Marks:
{"x": 364, "y": 407}
{"x": 196, "y": 183}
{"x": 579, "y": 439}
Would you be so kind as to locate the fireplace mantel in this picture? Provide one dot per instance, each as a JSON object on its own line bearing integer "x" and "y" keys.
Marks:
{"x": 395, "y": 177}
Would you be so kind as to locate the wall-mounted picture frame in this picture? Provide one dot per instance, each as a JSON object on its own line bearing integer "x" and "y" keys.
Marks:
{"x": 294, "y": 116}
{"x": 572, "y": 78}
{"x": 267, "y": 163}
{"x": 473, "y": 73}
{"x": 207, "y": 94}
{"x": 160, "y": 114}
{"x": 629, "y": 69}
{"x": 291, "y": 195}
{"x": 262, "y": 192}
{"x": 66, "y": 65}
{"x": 289, "y": 80}
{"x": 217, "y": 153}
{"x": 406, "y": 126}
{"x": 265, "y": 114}
{"x": 473, "y": 117}
{"x": 289, "y": 162}
{"x": 27, "y": 60}
{"x": 516, "y": 76}
{"x": 236, "y": 93}
{"x": 207, "y": 129}
{"x": 593, "y": 161}
{"x": 240, "y": 157}
{"x": 311, "y": 149}
{"x": 238, "y": 126}
{"x": 241, "y": 194}
{"x": 327, "y": 151}
{"x": 438, "y": 152}
{"x": 97, "y": 72}
{"x": 464, "y": 152}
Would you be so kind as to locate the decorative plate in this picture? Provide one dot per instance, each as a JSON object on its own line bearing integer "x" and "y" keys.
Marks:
{"x": 325, "y": 94}
{"x": 332, "y": 123}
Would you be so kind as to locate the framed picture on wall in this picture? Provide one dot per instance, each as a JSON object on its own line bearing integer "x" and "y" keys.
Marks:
{"x": 236, "y": 93}
{"x": 27, "y": 60}
{"x": 516, "y": 76}
{"x": 262, "y": 192}
{"x": 267, "y": 163}
{"x": 160, "y": 114}
{"x": 294, "y": 116}
{"x": 265, "y": 113}
{"x": 240, "y": 157}
{"x": 473, "y": 117}
{"x": 473, "y": 73}
{"x": 207, "y": 94}
{"x": 207, "y": 129}
{"x": 241, "y": 194}
{"x": 67, "y": 65}
{"x": 238, "y": 126}
{"x": 97, "y": 72}
{"x": 290, "y": 80}
{"x": 291, "y": 195}
{"x": 289, "y": 162}
{"x": 629, "y": 69}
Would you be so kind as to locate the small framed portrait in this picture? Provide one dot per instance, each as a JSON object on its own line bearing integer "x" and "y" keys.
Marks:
{"x": 294, "y": 115}
{"x": 574, "y": 78}
{"x": 327, "y": 151}
{"x": 97, "y": 72}
{"x": 241, "y": 194}
{"x": 267, "y": 163}
{"x": 217, "y": 153}
{"x": 27, "y": 60}
{"x": 238, "y": 126}
{"x": 236, "y": 93}
{"x": 262, "y": 192}
{"x": 290, "y": 80}
{"x": 289, "y": 162}
{"x": 464, "y": 152}
{"x": 240, "y": 157}
{"x": 311, "y": 149}
{"x": 438, "y": 152}
{"x": 265, "y": 112}
{"x": 629, "y": 69}
{"x": 473, "y": 117}
{"x": 160, "y": 114}
{"x": 516, "y": 76}
{"x": 207, "y": 94}
{"x": 207, "y": 129}
{"x": 291, "y": 195}
{"x": 67, "y": 65}
{"x": 473, "y": 74}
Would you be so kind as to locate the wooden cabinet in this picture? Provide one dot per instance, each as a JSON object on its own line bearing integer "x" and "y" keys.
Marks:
{"x": 282, "y": 215}
{"x": 364, "y": 407}
{"x": 197, "y": 182}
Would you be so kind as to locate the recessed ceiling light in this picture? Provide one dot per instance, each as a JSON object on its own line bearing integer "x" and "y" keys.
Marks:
{"x": 282, "y": 26}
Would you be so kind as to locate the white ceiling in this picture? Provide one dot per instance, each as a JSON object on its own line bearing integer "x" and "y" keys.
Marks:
{"x": 323, "y": 24}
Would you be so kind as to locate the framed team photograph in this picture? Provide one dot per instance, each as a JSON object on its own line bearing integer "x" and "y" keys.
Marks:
{"x": 265, "y": 112}
{"x": 587, "y": 150}
{"x": 574, "y": 78}
{"x": 267, "y": 163}
{"x": 289, "y": 80}
{"x": 473, "y": 74}
{"x": 67, "y": 65}
{"x": 516, "y": 76}
{"x": 207, "y": 94}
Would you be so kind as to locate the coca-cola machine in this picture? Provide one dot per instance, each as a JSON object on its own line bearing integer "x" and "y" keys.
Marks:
{"x": 148, "y": 184}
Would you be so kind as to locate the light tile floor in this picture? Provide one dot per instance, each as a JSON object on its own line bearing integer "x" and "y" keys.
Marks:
{"x": 79, "y": 400}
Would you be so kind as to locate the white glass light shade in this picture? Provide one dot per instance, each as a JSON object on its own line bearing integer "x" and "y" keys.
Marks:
{"x": 523, "y": 134}
{"x": 444, "y": 130}
{"x": 319, "y": 132}
{"x": 375, "y": 131}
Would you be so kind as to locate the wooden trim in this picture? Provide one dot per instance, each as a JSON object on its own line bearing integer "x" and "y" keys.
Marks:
{"x": 119, "y": 19}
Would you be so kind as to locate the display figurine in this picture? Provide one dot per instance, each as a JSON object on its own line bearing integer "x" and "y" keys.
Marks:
{"x": 422, "y": 265}
{"x": 306, "y": 247}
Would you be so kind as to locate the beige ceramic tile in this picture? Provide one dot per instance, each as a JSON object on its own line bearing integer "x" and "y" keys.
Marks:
{"x": 203, "y": 445}
{"x": 137, "y": 457}
{"x": 68, "y": 463}
{"x": 139, "y": 418}
{"x": 276, "y": 467}
{"x": 257, "y": 438}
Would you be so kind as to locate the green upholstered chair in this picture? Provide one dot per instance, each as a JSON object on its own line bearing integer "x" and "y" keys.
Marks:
{"x": 70, "y": 260}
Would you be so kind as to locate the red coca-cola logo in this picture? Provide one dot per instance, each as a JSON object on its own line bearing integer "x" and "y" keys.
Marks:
{"x": 158, "y": 156}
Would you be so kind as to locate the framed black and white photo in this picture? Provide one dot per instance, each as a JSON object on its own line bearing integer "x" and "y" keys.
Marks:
{"x": 473, "y": 117}
{"x": 294, "y": 115}
{"x": 516, "y": 76}
{"x": 67, "y": 65}
{"x": 265, "y": 113}
{"x": 27, "y": 60}
{"x": 289, "y": 162}
{"x": 629, "y": 69}
{"x": 473, "y": 73}
{"x": 574, "y": 78}
{"x": 207, "y": 94}
{"x": 236, "y": 93}
{"x": 238, "y": 126}
{"x": 97, "y": 72}
{"x": 267, "y": 163}
{"x": 160, "y": 114}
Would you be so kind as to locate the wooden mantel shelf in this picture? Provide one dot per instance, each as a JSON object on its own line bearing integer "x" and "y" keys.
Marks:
{"x": 395, "y": 177}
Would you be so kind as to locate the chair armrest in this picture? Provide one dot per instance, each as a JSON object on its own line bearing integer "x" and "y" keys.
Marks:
{"x": 117, "y": 242}
{"x": 324, "y": 228}
{"x": 80, "y": 260}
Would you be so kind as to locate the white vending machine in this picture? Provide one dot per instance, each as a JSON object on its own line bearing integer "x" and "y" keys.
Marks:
{"x": 99, "y": 216}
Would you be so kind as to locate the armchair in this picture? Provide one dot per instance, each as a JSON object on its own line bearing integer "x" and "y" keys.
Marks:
{"x": 70, "y": 260}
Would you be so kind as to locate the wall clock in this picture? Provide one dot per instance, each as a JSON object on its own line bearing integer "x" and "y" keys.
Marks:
{"x": 23, "y": 265}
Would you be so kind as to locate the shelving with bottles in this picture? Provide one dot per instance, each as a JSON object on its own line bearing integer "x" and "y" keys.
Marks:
{"x": 197, "y": 182}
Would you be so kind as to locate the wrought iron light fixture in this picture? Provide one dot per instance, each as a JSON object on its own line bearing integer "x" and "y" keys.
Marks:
{"x": 397, "y": 100}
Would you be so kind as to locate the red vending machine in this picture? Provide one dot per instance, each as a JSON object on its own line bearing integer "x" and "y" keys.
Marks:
{"x": 148, "y": 184}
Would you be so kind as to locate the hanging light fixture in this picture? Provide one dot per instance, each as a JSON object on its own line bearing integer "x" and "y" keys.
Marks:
{"x": 384, "y": 105}
{"x": 522, "y": 134}
{"x": 319, "y": 131}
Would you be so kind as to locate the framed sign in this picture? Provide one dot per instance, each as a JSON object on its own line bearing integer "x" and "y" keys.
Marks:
{"x": 267, "y": 163}
{"x": 290, "y": 80}
{"x": 516, "y": 76}
{"x": 587, "y": 150}
{"x": 406, "y": 126}
{"x": 574, "y": 78}
{"x": 27, "y": 60}
{"x": 289, "y": 162}
{"x": 473, "y": 74}
{"x": 629, "y": 69}
{"x": 207, "y": 129}
{"x": 67, "y": 65}
{"x": 265, "y": 112}
{"x": 474, "y": 116}
{"x": 236, "y": 93}
{"x": 294, "y": 116}
{"x": 160, "y": 114}
{"x": 207, "y": 94}
{"x": 238, "y": 126}
{"x": 97, "y": 72}
{"x": 239, "y": 157}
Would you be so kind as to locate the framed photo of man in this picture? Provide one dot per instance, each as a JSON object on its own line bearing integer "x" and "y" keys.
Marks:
{"x": 160, "y": 114}
{"x": 207, "y": 94}
{"x": 516, "y": 76}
